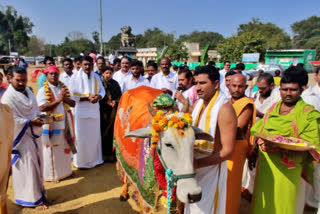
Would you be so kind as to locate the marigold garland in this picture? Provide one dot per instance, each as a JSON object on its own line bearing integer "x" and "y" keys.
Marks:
{"x": 161, "y": 122}
{"x": 48, "y": 92}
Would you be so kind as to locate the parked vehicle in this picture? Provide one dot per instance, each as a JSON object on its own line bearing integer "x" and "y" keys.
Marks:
{"x": 30, "y": 60}
{"x": 6, "y": 60}
{"x": 267, "y": 68}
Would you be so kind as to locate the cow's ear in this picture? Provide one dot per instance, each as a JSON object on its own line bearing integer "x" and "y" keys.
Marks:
{"x": 201, "y": 135}
{"x": 141, "y": 133}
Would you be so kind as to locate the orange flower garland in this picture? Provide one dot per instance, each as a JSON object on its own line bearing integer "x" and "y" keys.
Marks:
{"x": 161, "y": 122}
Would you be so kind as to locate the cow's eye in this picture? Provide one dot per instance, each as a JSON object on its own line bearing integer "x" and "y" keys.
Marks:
{"x": 169, "y": 145}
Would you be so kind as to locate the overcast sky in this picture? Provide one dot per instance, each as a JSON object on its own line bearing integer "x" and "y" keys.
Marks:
{"x": 54, "y": 19}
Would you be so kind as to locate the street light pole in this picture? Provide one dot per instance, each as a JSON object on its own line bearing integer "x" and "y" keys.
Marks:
{"x": 101, "y": 42}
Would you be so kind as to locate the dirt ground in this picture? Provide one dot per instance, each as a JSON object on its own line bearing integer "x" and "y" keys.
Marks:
{"x": 92, "y": 191}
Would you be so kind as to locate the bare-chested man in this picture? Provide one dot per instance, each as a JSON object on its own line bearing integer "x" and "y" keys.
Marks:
{"x": 245, "y": 111}
{"x": 215, "y": 115}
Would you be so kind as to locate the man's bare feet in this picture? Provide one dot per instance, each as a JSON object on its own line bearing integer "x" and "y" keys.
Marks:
{"x": 41, "y": 207}
{"x": 56, "y": 181}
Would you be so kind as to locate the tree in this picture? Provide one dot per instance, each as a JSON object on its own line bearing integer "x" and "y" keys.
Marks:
{"x": 36, "y": 47}
{"x": 204, "y": 37}
{"x": 304, "y": 30}
{"x": 113, "y": 43}
{"x": 276, "y": 38}
{"x": 233, "y": 47}
{"x": 154, "y": 37}
{"x": 14, "y": 28}
{"x": 75, "y": 35}
{"x": 306, "y": 34}
{"x": 74, "y": 47}
{"x": 177, "y": 51}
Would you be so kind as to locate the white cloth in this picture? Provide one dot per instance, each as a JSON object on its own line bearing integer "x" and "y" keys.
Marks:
{"x": 57, "y": 163}
{"x": 316, "y": 89}
{"x": 121, "y": 77}
{"x": 311, "y": 98}
{"x": 111, "y": 58}
{"x": 130, "y": 83}
{"x": 249, "y": 175}
{"x": 268, "y": 102}
{"x": 27, "y": 169}
{"x": 65, "y": 78}
{"x": 212, "y": 179}
{"x": 186, "y": 94}
{"x": 160, "y": 81}
{"x": 312, "y": 197}
{"x": 87, "y": 120}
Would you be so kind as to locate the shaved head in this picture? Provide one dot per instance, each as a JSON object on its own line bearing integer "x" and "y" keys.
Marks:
{"x": 238, "y": 85}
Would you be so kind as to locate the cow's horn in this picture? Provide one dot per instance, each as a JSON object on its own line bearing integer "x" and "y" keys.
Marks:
{"x": 151, "y": 110}
{"x": 201, "y": 135}
{"x": 141, "y": 133}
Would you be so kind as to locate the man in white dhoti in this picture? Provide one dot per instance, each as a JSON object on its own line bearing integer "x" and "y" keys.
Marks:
{"x": 27, "y": 157}
{"x": 215, "y": 115}
{"x": 87, "y": 90}
{"x": 58, "y": 135}
{"x": 6, "y": 141}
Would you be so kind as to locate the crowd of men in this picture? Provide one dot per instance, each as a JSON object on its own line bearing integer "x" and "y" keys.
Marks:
{"x": 71, "y": 119}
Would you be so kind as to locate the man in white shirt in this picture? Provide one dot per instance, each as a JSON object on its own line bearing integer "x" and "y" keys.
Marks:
{"x": 77, "y": 63}
{"x": 167, "y": 81}
{"x": 87, "y": 89}
{"x": 136, "y": 79}
{"x": 124, "y": 72}
{"x": 182, "y": 93}
{"x": 226, "y": 69}
{"x": 65, "y": 77}
{"x": 267, "y": 95}
{"x": 316, "y": 88}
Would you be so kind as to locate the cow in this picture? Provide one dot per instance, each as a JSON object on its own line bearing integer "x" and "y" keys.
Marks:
{"x": 137, "y": 157}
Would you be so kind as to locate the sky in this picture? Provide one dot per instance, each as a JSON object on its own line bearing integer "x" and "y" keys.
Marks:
{"x": 54, "y": 19}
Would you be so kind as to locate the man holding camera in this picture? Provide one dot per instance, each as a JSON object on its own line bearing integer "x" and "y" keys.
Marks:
{"x": 184, "y": 90}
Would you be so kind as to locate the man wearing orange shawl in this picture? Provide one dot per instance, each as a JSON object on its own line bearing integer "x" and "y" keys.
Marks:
{"x": 246, "y": 113}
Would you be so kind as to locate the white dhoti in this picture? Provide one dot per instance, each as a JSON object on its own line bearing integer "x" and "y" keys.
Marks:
{"x": 212, "y": 179}
{"x": 87, "y": 119}
{"x": 27, "y": 154}
{"x": 213, "y": 185}
{"x": 56, "y": 151}
{"x": 88, "y": 143}
{"x": 56, "y": 158}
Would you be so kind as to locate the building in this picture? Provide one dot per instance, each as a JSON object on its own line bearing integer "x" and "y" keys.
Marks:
{"x": 292, "y": 56}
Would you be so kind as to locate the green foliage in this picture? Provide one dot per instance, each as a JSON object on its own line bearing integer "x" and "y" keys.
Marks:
{"x": 36, "y": 47}
{"x": 305, "y": 30}
{"x": 233, "y": 47}
{"x": 177, "y": 51}
{"x": 276, "y": 38}
{"x": 204, "y": 56}
{"x": 113, "y": 43}
{"x": 154, "y": 37}
{"x": 162, "y": 54}
{"x": 306, "y": 34}
{"x": 203, "y": 38}
{"x": 74, "y": 47}
{"x": 15, "y": 28}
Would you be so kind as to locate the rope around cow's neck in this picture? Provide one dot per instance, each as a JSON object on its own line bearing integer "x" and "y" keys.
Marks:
{"x": 170, "y": 184}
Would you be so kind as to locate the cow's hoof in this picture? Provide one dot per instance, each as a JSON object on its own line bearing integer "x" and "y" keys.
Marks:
{"x": 124, "y": 198}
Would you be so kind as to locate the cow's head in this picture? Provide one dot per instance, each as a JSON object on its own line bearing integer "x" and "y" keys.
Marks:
{"x": 176, "y": 149}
